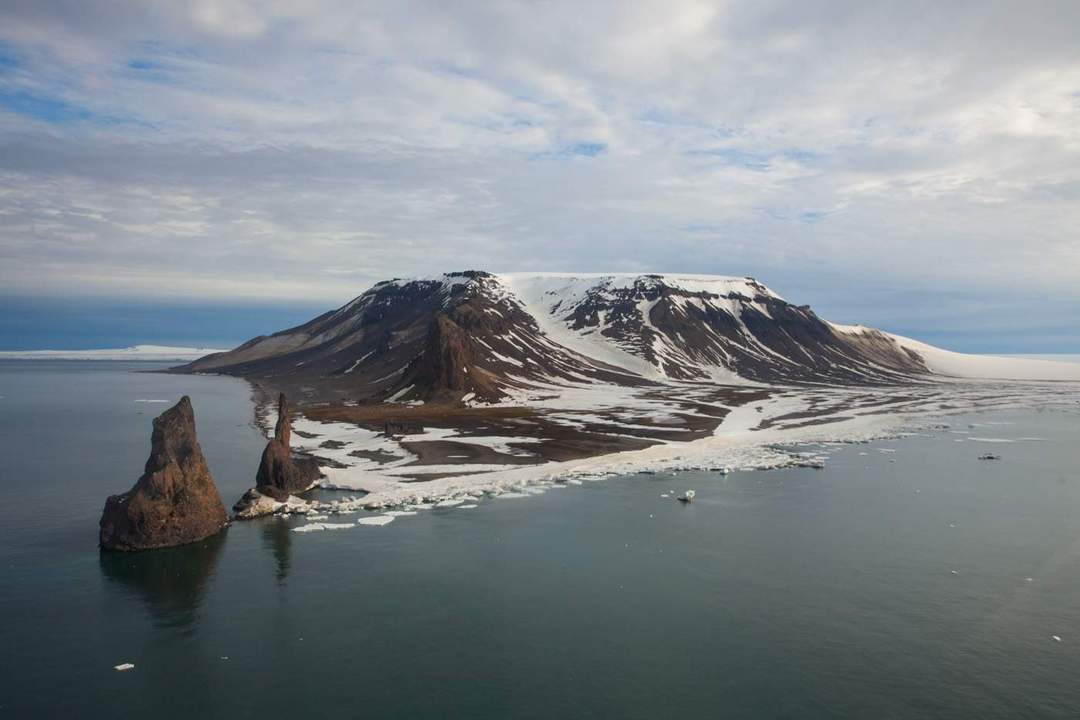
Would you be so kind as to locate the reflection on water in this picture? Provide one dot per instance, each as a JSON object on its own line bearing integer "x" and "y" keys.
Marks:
{"x": 171, "y": 581}
{"x": 277, "y": 538}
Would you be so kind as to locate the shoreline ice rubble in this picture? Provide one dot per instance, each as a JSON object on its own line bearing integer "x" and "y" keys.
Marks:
{"x": 742, "y": 442}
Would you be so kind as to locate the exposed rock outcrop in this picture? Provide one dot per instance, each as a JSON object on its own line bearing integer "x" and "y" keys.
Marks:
{"x": 175, "y": 502}
{"x": 280, "y": 474}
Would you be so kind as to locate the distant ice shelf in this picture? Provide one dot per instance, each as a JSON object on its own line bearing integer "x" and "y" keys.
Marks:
{"x": 136, "y": 352}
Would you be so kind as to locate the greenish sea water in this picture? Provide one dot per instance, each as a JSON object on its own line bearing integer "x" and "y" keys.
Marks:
{"x": 920, "y": 583}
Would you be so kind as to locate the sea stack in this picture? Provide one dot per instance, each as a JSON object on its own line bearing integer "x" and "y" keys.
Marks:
{"x": 280, "y": 474}
{"x": 175, "y": 502}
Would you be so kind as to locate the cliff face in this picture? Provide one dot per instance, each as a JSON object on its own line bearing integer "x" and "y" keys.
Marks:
{"x": 447, "y": 367}
{"x": 279, "y": 474}
{"x": 175, "y": 501}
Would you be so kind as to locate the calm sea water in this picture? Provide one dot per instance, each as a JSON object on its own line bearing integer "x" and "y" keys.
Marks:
{"x": 787, "y": 594}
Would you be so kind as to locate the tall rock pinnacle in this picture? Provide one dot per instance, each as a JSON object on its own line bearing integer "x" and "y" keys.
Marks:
{"x": 175, "y": 501}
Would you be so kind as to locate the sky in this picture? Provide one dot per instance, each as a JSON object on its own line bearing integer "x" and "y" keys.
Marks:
{"x": 913, "y": 166}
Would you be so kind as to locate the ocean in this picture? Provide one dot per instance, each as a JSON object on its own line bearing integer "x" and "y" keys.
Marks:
{"x": 917, "y": 583}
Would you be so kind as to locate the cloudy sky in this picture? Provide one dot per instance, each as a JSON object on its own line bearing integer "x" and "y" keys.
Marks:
{"x": 912, "y": 165}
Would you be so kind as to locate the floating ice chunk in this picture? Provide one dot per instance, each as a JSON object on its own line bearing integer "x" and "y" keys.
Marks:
{"x": 376, "y": 520}
{"x": 470, "y": 506}
{"x": 954, "y": 572}
{"x": 886, "y": 450}
{"x": 122, "y": 667}
{"x": 1029, "y": 579}
{"x": 312, "y": 527}
{"x": 1055, "y": 638}
{"x": 449, "y": 503}
{"x": 317, "y": 517}
{"x": 514, "y": 495}
{"x": 399, "y": 513}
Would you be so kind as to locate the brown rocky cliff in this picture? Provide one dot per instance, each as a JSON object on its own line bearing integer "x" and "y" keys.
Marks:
{"x": 447, "y": 368}
{"x": 280, "y": 474}
{"x": 175, "y": 502}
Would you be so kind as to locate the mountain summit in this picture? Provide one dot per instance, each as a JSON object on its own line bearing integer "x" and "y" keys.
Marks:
{"x": 477, "y": 336}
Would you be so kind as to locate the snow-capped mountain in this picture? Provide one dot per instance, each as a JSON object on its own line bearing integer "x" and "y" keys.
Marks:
{"x": 692, "y": 327}
{"x": 476, "y": 335}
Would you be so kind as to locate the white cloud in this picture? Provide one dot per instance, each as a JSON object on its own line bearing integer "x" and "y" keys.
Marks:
{"x": 306, "y": 149}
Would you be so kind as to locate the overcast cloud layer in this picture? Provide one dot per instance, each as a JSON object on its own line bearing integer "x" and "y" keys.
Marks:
{"x": 912, "y": 165}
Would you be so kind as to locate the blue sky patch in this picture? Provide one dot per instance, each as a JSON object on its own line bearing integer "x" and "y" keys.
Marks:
{"x": 758, "y": 162}
{"x": 143, "y": 65}
{"x": 53, "y": 110}
{"x": 588, "y": 149}
{"x": 813, "y": 216}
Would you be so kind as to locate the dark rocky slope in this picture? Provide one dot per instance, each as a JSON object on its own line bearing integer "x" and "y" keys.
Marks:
{"x": 175, "y": 502}
{"x": 687, "y": 333}
{"x": 445, "y": 339}
{"x": 481, "y": 337}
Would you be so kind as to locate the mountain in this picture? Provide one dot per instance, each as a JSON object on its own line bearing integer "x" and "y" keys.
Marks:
{"x": 481, "y": 337}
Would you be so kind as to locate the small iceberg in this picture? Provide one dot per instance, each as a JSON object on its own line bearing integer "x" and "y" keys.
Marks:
{"x": 123, "y": 667}
{"x": 376, "y": 520}
{"x": 313, "y": 527}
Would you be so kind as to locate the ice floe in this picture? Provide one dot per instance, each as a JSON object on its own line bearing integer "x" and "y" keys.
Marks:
{"x": 376, "y": 520}
{"x": 313, "y": 527}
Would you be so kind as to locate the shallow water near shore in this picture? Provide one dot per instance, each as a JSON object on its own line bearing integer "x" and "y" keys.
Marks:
{"x": 916, "y": 583}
